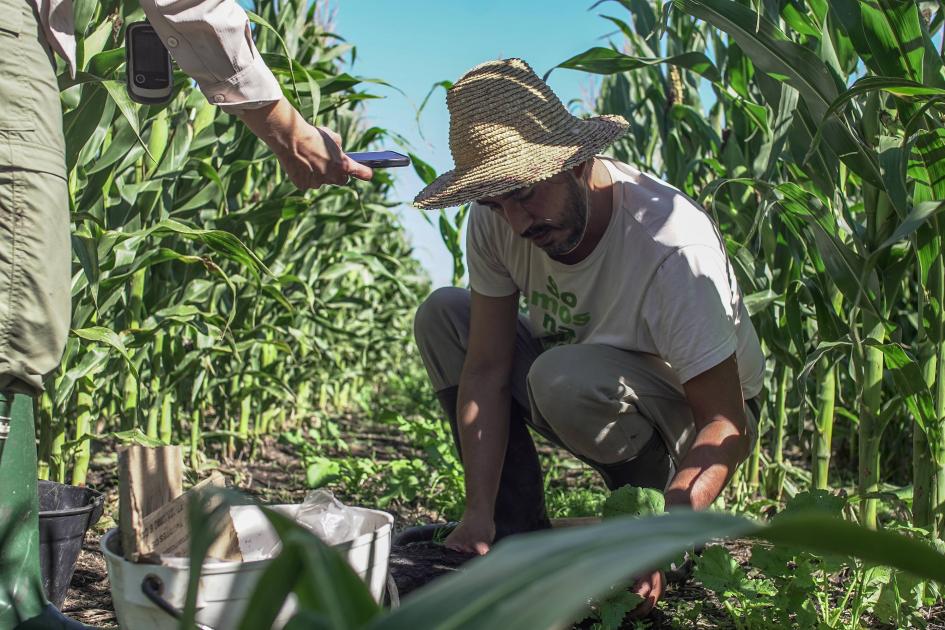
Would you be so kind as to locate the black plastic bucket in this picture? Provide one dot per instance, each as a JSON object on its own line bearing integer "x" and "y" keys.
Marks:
{"x": 65, "y": 514}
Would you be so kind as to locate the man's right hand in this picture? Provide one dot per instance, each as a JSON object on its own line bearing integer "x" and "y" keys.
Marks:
{"x": 311, "y": 156}
{"x": 473, "y": 535}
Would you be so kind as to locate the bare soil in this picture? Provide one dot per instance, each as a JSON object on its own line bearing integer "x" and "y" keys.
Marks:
{"x": 274, "y": 474}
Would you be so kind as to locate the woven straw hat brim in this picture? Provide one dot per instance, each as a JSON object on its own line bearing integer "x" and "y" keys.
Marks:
{"x": 561, "y": 151}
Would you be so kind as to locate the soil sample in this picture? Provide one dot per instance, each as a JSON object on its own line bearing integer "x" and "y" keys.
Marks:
{"x": 417, "y": 563}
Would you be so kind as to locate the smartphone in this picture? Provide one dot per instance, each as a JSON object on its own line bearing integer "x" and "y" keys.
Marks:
{"x": 149, "y": 77}
{"x": 381, "y": 159}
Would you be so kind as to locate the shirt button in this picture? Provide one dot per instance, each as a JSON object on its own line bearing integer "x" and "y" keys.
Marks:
{"x": 172, "y": 42}
{"x": 218, "y": 98}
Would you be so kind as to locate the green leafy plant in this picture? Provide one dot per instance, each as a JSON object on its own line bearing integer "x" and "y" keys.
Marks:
{"x": 228, "y": 305}
{"x": 632, "y": 501}
{"x": 543, "y": 579}
{"x": 813, "y": 133}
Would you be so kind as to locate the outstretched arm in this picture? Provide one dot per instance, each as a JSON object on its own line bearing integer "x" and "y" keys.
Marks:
{"x": 212, "y": 42}
{"x": 483, "y": 416}
{"x": 721, "y": 442}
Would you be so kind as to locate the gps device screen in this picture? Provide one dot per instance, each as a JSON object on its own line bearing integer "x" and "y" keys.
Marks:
{"x": 149, "y": 76}
{"x": 149, "y": 52}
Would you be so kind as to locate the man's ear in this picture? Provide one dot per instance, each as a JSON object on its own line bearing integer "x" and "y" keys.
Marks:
{"x": 578, "y": 170}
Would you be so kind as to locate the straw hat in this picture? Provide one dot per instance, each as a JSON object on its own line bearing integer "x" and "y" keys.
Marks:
{"x": 509, "y": 130}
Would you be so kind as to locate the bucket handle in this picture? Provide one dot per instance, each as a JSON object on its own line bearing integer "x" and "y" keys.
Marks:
{"x": 393, "y": 595}
{"x": 98, "y": 508}
{"x": 152, "y": 587}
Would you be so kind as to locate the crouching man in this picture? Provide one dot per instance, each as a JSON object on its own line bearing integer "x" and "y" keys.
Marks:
{"x": 603, "y": 313}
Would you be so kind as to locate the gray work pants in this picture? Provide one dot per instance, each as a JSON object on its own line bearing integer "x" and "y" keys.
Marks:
{"x": 603, "y": 404}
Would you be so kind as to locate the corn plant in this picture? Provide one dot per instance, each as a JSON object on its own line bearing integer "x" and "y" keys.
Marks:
{"x": 213, "y": 302}
{"x": 813, "y": 133}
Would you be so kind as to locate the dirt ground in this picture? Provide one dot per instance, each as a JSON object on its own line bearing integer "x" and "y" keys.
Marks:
{"x": 273, "y": 475}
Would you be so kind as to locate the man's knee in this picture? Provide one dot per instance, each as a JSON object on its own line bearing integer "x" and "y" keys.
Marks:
{"x": 441, "y": 330}
{"x": 591, "y": 413}
{"x": 549, "y": 380}
{"x": 562, "y": 380}
{"x": 438, "y": 310}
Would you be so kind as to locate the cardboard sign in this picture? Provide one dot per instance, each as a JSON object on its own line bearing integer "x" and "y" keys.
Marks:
{"x": 147, "y": 479}
{"x": 153, "y": 508}
{"x": 165, "y": 531}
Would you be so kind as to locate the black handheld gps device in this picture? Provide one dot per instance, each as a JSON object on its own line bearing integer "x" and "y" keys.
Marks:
{"x": 150, "y": 79}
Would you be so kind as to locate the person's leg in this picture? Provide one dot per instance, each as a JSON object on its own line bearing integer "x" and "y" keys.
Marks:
{"x": 22, "y": 601}
{"x": 441, "y": 329}
{"x": 35, "y": 261}
{"x": 623, "y": 413}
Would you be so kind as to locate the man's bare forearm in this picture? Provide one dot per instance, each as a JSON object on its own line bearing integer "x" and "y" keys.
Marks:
{"x": 483, "y": 418}
{"x": 718, "y": 448}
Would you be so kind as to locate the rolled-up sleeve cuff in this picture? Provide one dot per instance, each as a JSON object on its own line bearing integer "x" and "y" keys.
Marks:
{"x": 252, "y": 87}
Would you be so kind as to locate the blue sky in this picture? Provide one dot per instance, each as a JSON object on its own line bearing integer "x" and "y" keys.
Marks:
{"x": 413, "y": 44}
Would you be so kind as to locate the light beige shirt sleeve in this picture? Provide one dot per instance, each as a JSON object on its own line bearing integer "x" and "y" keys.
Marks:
{"x": 211, "y": 41}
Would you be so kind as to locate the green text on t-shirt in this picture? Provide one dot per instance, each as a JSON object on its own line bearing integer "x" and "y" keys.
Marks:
{"x": 558, "y": 319}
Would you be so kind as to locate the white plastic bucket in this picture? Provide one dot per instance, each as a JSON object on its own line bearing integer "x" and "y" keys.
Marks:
{"x": 225, "y": 587}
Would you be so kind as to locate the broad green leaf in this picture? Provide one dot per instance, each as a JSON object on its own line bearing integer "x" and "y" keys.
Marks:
{"x": 217, "y": 240}
{"x": 109, "y": 337}
{"x": 631, "y": 501}
{"x": 89, "y": 364}
{"x": 321, "y": 471}
{"x": 121, "y": 143}
{"x": 929, "y": 167}
{"x": 93, "y": 43}
{"x": 80, "y": 123}
{"x": 887, "y": 34}
{"x": 105, "y": 63}
{"x": 903, "y": 88}
{"x": 609, "y": 61}
{"x": 720, "y": 572}
{"x": 910, "y": 383}
{"x": 771, "y": 51}
{"x": 917, "y": 217}
{"x": 424, "y": 171}
{"x": 641, "y": 11}
{"x": 893, "y": 164}
{"x": 129, "y": 109}
{"x": 445, "y": 85}
{"x": 823, "y": 348}
{"x": 758, "y": 302}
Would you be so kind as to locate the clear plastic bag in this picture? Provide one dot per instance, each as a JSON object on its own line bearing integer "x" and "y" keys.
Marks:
{"x": 329, "y": 518}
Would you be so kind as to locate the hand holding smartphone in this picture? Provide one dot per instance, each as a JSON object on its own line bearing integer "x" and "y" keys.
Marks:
{"x": 380, "y": 159}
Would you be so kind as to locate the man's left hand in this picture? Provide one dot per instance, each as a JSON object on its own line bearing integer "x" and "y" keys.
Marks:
{"x": 650, "y": 588}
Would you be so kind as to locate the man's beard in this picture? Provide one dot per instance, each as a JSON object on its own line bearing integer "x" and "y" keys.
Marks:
{"x": 574, "y": 222}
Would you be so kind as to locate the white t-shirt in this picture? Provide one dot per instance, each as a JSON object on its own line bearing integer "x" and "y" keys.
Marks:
{"x": 658, "y": 282}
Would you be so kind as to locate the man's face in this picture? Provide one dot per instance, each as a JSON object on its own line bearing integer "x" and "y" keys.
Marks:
{"x": 552, "y": 213}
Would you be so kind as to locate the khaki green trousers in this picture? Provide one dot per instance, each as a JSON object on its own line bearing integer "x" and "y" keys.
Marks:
{"x": 35, "y": 245}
